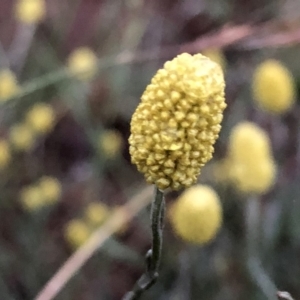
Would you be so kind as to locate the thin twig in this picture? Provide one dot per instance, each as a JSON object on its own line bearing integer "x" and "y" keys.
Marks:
{"x": 284, "y": 296}
{"x": 20, "y": 47}
{"x": 154, "y": 254}
{"x": 257, "y": 272}
{"x": 119, "y": 218}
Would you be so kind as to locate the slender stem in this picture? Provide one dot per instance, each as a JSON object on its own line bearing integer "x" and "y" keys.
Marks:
{"x": 153, "y": 256}
{"x": 257, "y": 272}
{"x": 284, "y": 296}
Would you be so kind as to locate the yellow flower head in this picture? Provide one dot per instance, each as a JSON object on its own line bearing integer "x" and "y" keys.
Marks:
{"x": 21, "y": 137}
{"x": 30, "y": 11}
{"x": 196, "y": 216}
{"x": 255, "y": 177}
{"x": 175, "y": 126}
{"x": 110, "y": 143}
{"x": 215, "y": 55}
{"x": 252, "y": 167}
{"x": 273, "y": 87}
{"x": 50, "y": 189}
{"x": 31, "y": 198}
{"x": 77, "y": 232}
{"x": 82, "y": 63}
{"x": 8, "y": 85}
{"x": 247, "y": 142}
{"x": 96, "y": 213}
{"x": 5, "y": 154}
{"x": 41, "y": 118}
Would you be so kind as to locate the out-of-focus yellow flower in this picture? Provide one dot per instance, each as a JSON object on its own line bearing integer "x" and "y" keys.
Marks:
{"x": 50, "y": 189}
{"x": 41, "y": 118}
{"x": 82, "y": 63}
{"x": 247, "y": 142}
{"x": 215, "y": 55}
{"x": 8, "y": 85}
{"x": 273, "y": 87}
{"x": 252, "y": 167}
{"x": 21, "y": 137}
{"x": 110, "y": 143}
{"x": 196, "y": 216}
{"x": 30, "y": 11}
{"x": 77, "y": 232}
{"x": 96, "y": 213}
{"x": 175, "y": 126}
{"x": 31, "y": 198}
{"x": 255, "y": 178}
{"x": 5, "y": 154}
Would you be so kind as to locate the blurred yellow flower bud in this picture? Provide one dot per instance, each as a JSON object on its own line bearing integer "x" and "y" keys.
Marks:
{"x": 30, "y": 11}
{"x": 8, "y": 85}
{"x": 31, "y": 198}
{"x": 21, "y": 137}
{"x": 273, "y": 87}
{"x": 247, "y": 142}
{"x": 252, "y": 167}
{"x": 41, "y": 118}
{"x": 77, "y": 232}
{"x": 110, "y": 143}
{"x": 50, "y": 189}
{"x": 5, "y": 154}
{"x": 256, "y": 177}
{"x": 175, "y": 126}
{"x": 215, "y": 55}
{"x": 196, "y": 216}
{"x": 82, "y": 63}
{"x": 96, "y": 213}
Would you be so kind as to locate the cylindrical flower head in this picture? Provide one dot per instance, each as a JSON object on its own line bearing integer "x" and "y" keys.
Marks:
{"x": 175, "y": 126}
{"x": 197, "y": 215}
{"x": 273, "y": 87}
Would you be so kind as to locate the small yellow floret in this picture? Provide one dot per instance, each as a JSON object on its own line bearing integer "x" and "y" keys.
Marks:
{"x": 8, "y": 85}
{"x": 110, "y": 143}
{"x": 215, "y": 55}
{"x": 82, "y": 63}
{"x": 175, "y": 126}
{"x": 77, "y": 232}
{"x": 96, "y": 213}
{"x": 196, "y": 216}
{"x": 5, "y": 154}
{"x": 31, "y": 198}
{"x": 50, "y": 189}
{"x": 41, "y": 118}
{"x": 21, "y": 137}
{"x": 252, "y": 167}
{"x": 273, "y": 87}
{"x": 30, "y": 11}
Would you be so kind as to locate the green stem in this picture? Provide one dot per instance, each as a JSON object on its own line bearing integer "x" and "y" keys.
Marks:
{"x": 153, "y": 256}
{"x": 255, "y": 268}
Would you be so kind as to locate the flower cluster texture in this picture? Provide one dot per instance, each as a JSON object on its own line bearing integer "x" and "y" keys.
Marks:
{"x": 273, "y": 87}
{"x": 175, "y": 126}
{"x": 196, "y": 216}
{"x": 252, "y": 167}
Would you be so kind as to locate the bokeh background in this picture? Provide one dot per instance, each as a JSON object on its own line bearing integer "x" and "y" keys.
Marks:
{"x": 71, "y": 74}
